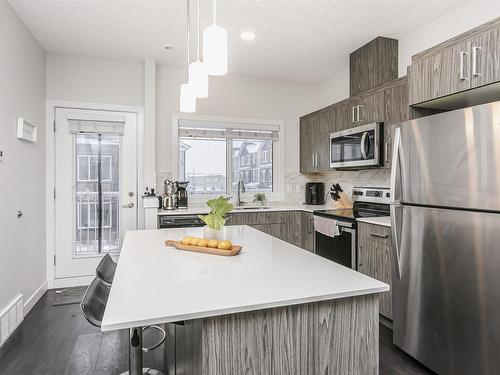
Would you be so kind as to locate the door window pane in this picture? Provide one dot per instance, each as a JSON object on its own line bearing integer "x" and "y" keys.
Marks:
{"x": 97, "y": 194}
{"x": 202, "y": 162}
{"x": 252, "y": 163}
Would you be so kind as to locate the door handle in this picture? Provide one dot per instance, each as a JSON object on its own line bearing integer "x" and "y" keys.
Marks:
{"x": 462, "y": 56}
{"x": 475, "y": 51}
{"x": 130, "y": 205}
{"x": 363, "y": 150}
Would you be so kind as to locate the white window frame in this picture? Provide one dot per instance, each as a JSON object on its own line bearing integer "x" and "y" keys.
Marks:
{"x": 243, "y": 123}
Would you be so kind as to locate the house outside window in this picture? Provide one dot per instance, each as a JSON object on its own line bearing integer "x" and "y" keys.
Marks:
{"x": 214, "y": 159}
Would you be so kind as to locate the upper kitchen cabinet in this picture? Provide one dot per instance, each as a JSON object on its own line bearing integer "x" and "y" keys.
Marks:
{"x": 396, "y": 111}
{"x": 373, "y": 65}
{"x": 466, "y": 61}
{"x": 315, "y": 131}
{"x": 366, "y": 108}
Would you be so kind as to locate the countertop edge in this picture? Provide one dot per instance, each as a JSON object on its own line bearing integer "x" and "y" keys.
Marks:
{"x": 241, "y": 309}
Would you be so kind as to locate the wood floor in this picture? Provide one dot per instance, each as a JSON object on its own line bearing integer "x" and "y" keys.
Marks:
{"x": 58, "y": 340}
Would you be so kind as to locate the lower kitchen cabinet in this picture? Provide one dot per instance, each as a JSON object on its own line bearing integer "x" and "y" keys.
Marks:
{"x": 294, "y": 227}
{"x": 375, "y": 259}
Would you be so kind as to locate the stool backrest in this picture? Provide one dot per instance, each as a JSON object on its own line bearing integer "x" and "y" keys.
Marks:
{"x": 94, "y": 301}
{"x": 106, "y": 269}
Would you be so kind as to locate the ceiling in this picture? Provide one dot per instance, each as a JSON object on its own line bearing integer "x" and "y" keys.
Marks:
{"x": 305, "y": 41}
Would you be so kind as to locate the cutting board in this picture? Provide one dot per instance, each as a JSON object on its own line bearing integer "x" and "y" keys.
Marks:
{"x": 235, "y": 250}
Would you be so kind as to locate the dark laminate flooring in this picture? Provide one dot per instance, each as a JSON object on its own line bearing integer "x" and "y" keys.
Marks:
{"x": 58, "y": 340}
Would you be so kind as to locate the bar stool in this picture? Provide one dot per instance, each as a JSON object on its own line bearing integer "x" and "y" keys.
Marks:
{"x": 106, "y": 269}
{"x": 93, "y": 305}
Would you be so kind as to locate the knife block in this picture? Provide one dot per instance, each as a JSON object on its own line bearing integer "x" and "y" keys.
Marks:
{"x": 343, "y": 203}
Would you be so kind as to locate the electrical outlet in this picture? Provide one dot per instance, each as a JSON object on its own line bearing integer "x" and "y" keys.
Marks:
{"x": 297, "y": 188}
{"x": 288, "y": 188}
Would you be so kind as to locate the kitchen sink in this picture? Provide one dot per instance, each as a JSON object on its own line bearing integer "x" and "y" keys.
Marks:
{"x": 242, "y": 208}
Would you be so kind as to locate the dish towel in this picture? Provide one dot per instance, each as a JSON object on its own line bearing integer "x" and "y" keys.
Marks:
{"x": 325, "y": 226}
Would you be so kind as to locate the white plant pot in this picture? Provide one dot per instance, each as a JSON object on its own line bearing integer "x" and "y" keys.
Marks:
{"x": 213, "y": 234}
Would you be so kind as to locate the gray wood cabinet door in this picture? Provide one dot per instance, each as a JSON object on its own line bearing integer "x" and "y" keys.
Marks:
{"x": 375, "y": 259}
{"x": 367, "y": 108}
{"x": 396, "y": 111}
{"x": 321, "y": 139}
{"x": 442, "y": 73}
{"x": 307, "y": 158}
{"x": 307, "y": 231}
{"x": 485, "y": 58}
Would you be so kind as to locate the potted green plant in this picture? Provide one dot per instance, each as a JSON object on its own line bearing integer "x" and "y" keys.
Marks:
{"x": 216, "y": 218}
{"x": 260, "y": 198}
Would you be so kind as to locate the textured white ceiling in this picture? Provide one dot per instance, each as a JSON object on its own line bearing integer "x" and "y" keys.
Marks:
{"x": 295, "y": 40}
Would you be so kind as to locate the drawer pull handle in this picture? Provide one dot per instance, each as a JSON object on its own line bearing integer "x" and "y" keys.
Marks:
{"x": 379, "y": 235}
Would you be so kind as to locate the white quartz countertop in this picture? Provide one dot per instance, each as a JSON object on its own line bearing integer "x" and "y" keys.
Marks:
{"x": 156, "y": 284}
{"x": 204, "y": 209}
{"x": 383, "y": 220}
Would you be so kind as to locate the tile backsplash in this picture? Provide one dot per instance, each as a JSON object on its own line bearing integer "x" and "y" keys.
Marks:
{"x": 295, "y": 182}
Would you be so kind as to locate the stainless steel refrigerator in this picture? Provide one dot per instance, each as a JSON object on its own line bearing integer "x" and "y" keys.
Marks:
{"x": 446, "y": 240}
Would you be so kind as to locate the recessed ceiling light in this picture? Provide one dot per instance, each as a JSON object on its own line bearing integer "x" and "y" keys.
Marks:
{"x": 248, "y": 35}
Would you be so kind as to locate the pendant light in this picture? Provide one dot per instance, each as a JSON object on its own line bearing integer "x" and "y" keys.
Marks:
{"x": 198, "y": 76}
{"x": 215, "y": 48}
{"x": 187, "y": 95}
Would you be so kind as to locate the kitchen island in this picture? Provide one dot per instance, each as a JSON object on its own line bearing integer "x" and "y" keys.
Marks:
{"x": 272, "y": 309}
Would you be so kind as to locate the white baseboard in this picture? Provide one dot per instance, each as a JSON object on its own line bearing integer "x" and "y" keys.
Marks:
{"x": 73, "y": 281}
{"x": 33, "y": 299}
{"x": 10, "y": 318}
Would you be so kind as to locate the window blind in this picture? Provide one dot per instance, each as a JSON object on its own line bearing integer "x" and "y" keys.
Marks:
{"x": 104, "y": 125}
{"x": 244, "y": 134}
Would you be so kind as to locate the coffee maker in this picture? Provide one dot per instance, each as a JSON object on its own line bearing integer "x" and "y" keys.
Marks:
{"x": 170, "y": 197}
{"x": 182, "y": 195}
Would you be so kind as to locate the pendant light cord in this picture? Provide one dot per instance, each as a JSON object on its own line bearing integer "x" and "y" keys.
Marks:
{"x": 215, "y": 9}
{"x": 198, "y": 32}
{"x": 188, "y": 34}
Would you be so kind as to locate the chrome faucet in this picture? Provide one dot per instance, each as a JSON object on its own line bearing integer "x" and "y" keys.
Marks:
{"x": 241, "y": 189}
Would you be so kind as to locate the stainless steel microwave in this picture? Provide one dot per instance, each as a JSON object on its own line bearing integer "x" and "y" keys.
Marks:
{"x": 357, "y": 148}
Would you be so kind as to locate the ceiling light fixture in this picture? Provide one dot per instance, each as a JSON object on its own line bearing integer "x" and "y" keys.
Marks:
{"x": 198, "y": 75}
{"x": 215, "y": 48}
{"x": 187, "y": 94}
{"x": 247, "y": 36}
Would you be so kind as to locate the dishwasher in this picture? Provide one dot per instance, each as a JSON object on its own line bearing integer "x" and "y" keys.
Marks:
{"x": 179, "y": 221}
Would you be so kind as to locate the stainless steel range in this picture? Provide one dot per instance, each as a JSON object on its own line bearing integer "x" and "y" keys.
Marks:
{"x": 342, "y": 248}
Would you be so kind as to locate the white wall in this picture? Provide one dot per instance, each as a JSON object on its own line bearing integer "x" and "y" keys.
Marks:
{"x": 94, "y": 80}
{"x": 22, "y": 168}
{"x": 469, "y": 15}
{"x": 233, "y": 96}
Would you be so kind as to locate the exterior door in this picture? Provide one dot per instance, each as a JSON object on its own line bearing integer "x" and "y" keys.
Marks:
{"x": 96, "y": 187}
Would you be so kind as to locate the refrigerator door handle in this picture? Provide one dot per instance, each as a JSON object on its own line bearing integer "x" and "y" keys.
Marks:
{"x": 395, "y": 229}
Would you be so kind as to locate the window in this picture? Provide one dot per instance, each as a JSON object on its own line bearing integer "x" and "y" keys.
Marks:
{"x": 213, "y": 157}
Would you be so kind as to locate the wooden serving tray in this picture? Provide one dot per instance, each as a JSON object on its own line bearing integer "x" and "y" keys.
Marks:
{"x": 235, "y": 250}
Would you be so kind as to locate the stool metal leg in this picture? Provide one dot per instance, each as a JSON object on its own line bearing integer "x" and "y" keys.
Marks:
{"x": 135, "y": 351}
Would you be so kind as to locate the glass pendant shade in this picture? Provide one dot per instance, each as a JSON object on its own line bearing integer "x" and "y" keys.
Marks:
{"x": 198, "y": 78}
{"x": 215, "y": 50}
{"x": 187, "y": 99}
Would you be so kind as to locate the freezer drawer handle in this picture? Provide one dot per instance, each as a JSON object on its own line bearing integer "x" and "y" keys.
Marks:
{"x": 380, "y": 235}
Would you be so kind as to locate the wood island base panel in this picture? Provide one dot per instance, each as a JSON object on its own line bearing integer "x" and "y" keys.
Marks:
{"x": 339, "y": 336}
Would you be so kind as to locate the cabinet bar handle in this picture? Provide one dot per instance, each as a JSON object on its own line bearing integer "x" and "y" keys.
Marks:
{"x": 358, "y": 111}
{"x": 379, "y": 235}
{"x": 462, "y": 56}
{"x": 475, "y": 51}
{"x": 313, "y": 164}
{"x": 386, "y": 152}
{"x": 353, "y": 115}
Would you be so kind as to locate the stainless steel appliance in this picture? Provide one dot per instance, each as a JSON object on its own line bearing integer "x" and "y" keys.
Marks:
{"x": 368, "y": 202}
{"x": 315, "y": 193}
{"x": 446, "y": 240}
{"x": 179, "y": 221}
{"x": 182, "y": 195}
{"x": 170, "y": 197}
{"x": 356, "y": 148}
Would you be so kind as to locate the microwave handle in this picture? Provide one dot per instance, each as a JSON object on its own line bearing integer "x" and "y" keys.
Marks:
{"x": 363, "y": 151}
